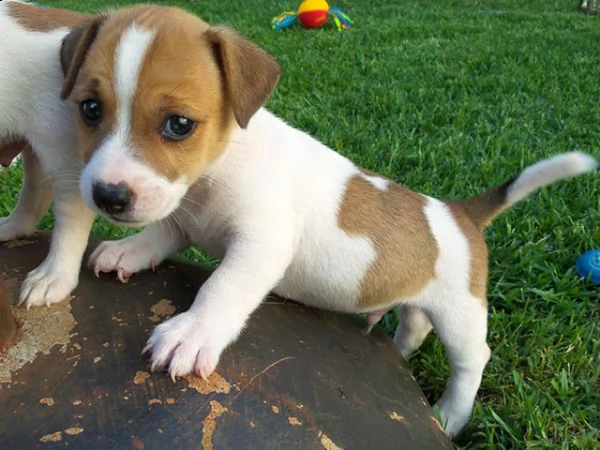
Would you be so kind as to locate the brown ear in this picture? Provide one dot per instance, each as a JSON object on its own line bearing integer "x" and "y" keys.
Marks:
{"x": 250, "y": 74}
{"x": 10, "y": 148}
{"x": 74, "y": 49}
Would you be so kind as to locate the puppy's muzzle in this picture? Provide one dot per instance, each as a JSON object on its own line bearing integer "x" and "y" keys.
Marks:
{"x": 112, "y": 198}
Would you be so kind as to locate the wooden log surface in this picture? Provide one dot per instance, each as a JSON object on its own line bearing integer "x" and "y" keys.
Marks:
{"x": 297, "y": 378}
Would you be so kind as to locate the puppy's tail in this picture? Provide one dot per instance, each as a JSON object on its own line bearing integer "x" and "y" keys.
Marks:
{"x": 483, "y": 208}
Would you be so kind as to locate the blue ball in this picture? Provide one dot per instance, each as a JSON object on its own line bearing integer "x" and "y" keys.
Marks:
{"x": 588, "y": 266}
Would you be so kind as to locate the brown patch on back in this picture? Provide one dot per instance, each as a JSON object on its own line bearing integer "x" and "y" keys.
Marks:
{"x": 397, "y": 226}
{"x": 478, "y": 250}
{"x": 35, "y": 18}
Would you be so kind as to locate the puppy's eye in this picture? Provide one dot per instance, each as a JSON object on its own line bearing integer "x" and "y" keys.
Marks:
{"x": 91, "y": 111}
{"x": 177, "y": 128}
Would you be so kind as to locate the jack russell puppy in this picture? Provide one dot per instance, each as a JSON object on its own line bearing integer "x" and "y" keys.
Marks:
{"x": 174, "y": 136}
{"x": 36, "y": 123}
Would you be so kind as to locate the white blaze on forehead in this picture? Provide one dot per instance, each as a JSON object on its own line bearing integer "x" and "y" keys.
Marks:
{"x": 129, "y": 59}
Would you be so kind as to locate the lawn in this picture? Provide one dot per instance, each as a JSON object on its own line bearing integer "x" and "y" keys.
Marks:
{"x": 450, "y": 97}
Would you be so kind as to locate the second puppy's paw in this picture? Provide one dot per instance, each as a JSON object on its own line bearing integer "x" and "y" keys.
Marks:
{"x": 46, "y": 285}
{"x": 11, "y": 228}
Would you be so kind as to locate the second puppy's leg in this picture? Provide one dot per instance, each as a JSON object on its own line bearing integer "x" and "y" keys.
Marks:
{"x": 58, "y": 275}
{"x": 34, "y": 200}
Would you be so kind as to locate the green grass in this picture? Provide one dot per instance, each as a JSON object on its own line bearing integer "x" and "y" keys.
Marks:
{"x": 449, "y": 97}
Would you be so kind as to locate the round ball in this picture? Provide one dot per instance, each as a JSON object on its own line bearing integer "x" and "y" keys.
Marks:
{"x": 313, "y": 13}
{"x": 588, "y": 266}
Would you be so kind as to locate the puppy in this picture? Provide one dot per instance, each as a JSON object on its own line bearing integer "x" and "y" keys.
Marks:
{"x": 31, "y": 112}
{"x": 174, "y": 136}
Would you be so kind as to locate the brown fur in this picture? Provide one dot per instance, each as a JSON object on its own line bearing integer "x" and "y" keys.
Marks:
{"x": 8, "y": 325}
{"x": 395, "y": 222}
{"x": 243, "y": 65}
{"x": 35, "y": 18}
{"x": 219, "y": 76}
{"x": 74, "y": 51}
{"x": 483, "y": 208}
{"x": 10, "y": 148}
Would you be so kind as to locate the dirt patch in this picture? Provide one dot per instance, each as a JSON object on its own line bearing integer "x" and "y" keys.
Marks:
{"x": 40, "y": 330}
{"x": 17, "y": 243}
{"x": 52, "y": 437}
{"x": 161, "y": 310}
{"x": 140, "y": 377}
{"x": 214, "y": 384}
{"x": 398, "y": 418}
{"x": 48, "y": 401}
{"x": 209, "y": 424}
{"x": 294, "y": 421}
{"x": 327, "y": 443}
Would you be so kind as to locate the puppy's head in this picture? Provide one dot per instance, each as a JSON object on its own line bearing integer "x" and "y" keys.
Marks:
{"x": 158, "y": 92}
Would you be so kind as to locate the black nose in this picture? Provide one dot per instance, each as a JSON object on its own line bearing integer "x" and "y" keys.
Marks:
{"x": 111, "y": 198}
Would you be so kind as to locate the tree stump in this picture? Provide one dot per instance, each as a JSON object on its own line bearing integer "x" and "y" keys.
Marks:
{"x": 297, "y": 378}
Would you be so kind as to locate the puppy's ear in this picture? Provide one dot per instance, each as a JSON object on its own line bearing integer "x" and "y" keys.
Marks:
{"x": 250, "y": 74}
{"x": 10, "y": 148}
{"x": 74, "y": 49}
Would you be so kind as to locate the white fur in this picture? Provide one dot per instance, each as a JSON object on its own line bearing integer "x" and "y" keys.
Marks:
{"x": 549, "y": 171}
{"x": 379, "y": 182}
{"x": 130, "y": 55}
{"x": 30, "y": 107}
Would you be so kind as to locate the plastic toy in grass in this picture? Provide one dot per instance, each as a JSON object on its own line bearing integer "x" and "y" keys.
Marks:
{"x": 312, "y": 14}
{"x": 588, "y": 266}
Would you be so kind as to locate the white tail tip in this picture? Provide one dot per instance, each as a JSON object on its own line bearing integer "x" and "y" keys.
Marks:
{"x": 550, "y": 171}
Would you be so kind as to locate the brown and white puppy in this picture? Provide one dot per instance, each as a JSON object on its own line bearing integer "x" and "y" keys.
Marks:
{"x": 31, "y": 112}
{"x": 173, "y": 135}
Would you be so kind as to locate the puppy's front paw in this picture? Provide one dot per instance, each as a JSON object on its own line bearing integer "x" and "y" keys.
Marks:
{"x": 11, "y": 228}
{"x": 122, "y": 256}
{"x": 46, "y": 285}
{"x": 185, "y": 345}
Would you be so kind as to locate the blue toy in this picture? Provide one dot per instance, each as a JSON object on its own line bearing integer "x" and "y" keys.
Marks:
{"x": 588, "y": 266}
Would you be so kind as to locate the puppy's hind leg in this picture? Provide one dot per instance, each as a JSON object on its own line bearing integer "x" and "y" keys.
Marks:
{"x": 34, "y": 200}
{"x": 461, "y": 324}
{"x": 413, "y": 327}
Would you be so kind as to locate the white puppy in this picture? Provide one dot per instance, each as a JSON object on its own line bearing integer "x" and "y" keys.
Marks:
{"x": 31, "y": 111}
{"x": 173, "y": 135}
